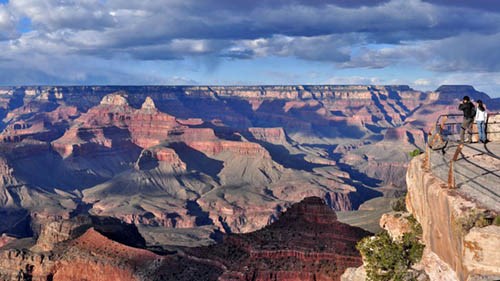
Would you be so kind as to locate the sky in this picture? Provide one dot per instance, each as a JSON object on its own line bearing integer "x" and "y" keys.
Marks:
{"x": 419, "y": 43}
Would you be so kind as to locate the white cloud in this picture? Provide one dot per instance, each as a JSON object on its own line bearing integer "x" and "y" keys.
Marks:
{"x": 422, "y": 82}
{"x": 321, "y": 48}
{"x": 7, "y": 24}
{"x": 443, "y": 38}
{"x": 52, "y": 15}
{"x": 465, "y": 52}
{"x": 356, "y": 80}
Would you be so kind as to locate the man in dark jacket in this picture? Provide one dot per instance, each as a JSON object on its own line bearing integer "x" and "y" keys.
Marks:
{"x": 469, "y": 111}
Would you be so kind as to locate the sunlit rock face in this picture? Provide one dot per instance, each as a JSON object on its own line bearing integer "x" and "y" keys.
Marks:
{"x": 305, "y": 243}
{"x": 464, "y": 252}
{"x": 203, "y": 157}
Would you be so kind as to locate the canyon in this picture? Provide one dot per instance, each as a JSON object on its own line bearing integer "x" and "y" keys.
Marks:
{"x": 187, "y": 165}
{"x": 456, "y": 216}
{"x": 307, "y": 242}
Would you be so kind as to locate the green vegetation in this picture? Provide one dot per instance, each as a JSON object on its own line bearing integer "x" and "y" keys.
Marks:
{"x": 415, "y": 152}
{"x": 399, "y": 204}
{"x": 496, "y": 221}
{"x": 388, "y": 260}
{"x": 474, "y": 219}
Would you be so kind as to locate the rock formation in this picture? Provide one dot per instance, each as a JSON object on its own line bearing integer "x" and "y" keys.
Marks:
{"x": 305, "y": 243}
{"x": 460, "y": 236}
{"x": 5, "y": 239}
{"x": 166, "y": 157}
{"x": 446, "y": 219}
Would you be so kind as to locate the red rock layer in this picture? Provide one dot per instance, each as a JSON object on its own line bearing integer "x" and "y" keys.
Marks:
{"x": 5, "y": 239}
{"x": 239, "y": 148}
{"x": 271, "y": 135}
{"x": 306, "y": 243}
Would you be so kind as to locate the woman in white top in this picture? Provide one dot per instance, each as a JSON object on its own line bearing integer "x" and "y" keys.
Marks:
{"x": 481, "y": 118}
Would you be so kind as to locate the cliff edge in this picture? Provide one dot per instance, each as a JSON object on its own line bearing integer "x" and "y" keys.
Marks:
{"x": 457, "y": 230}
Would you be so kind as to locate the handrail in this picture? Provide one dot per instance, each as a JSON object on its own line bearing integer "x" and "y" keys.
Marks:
{"x": 438, "y": 133}
{"x": 443, "y": 119}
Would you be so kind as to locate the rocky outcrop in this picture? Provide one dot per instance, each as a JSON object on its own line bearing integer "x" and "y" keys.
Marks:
{"x": 117, "y": 99}
{"x": 447, "y": 92}
{"x": 59, "y": 230}
{"x": 354, "y": 274}
{"x": 93, "y": 256}
{"x": 5, "y": 239}
{"x": 306, "y": 243}
{"x": 228, "y": 157}
{"x": 115, "y": 124}
{"x": 447, "y": 220}
{"x": 396, "y": 224}
{"x": 238, "y": 148}
{"x": 148, "y": 105}
{"x": 480, "y": 252}
{"x": 271, "y": 135}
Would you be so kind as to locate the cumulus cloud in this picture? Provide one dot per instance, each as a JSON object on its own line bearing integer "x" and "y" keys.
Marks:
{"x": 466, "y": 52}
{"x": 320, "y": 48}
{"x": 7, "y": 24}
{"x": 51, "y": 15}
{"x": 422, "y": 82}
{"x": 117, "y": 25}
{"x": 488, "y": 5}
{"x": 356, "y": 80}
{"x": 432, "y": 34}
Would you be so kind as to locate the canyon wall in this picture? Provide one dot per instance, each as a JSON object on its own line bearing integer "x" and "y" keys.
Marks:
{"x": 450, "y": 228}
{"x": 227, "y": 159}
{"x": 306, "y": 243}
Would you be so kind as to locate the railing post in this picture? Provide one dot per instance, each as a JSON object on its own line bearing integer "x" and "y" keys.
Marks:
{"x": 451, "y": 175}
{"x": 427, "y": 162}
{"x": 451, "y": 171}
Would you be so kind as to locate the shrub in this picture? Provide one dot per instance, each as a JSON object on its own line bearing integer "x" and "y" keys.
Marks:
{"x": 472, "y": 219}
{"x": 415, "y": 152}
{"x": 399, "y": 204}
{"x": 482, "y": 221}
{"x": 388, "y": 260}
{"x": 496, "y": 221}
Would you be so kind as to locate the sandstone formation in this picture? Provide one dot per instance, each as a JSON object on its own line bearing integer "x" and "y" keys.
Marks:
{"x": 305, "y": 243}
{"x": 396, "y": 224}
{"x": 459, "y": 227}
{"x": 446, "y": 218}
{"x": 5, "y": 239}
{"x": 190, "y": 157}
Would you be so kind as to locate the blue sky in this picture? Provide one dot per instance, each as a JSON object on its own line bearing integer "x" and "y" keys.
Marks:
{"x": 420, "y": 43}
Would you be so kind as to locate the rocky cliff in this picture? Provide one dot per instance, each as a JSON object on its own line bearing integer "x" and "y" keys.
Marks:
{"x": 231, "y": 158}
{"x": 305, "y": 243}
{"x": 458, "y": 214}
{"x": 451, "y": 229}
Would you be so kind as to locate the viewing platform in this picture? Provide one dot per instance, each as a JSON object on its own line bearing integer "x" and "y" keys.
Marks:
{"x": 471, "y": 169}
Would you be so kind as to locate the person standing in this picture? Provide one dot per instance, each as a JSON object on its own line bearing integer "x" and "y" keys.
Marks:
{"x": 469, "y": 113}
{"x": 481, "y": 118}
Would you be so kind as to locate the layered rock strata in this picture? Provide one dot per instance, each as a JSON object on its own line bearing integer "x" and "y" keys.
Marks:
{"x": 306, "y": 243}
{"x": 448, "y": 220}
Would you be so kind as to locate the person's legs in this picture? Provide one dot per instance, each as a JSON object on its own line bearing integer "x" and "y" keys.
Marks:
{"x": 469, "y": 129}
{"x": 462, "y": 130}
{"x": 466, "y": 126}
{"x": 479, "y": 130}
{"x": 483, "y": 131}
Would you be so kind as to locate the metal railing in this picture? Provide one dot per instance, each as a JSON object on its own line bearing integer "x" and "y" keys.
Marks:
{"x": 448, "y": 125}
{"x": 446, "y": 128}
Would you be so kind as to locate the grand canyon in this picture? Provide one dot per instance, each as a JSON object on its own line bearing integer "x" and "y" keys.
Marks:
{"x": 202, "y": 182}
